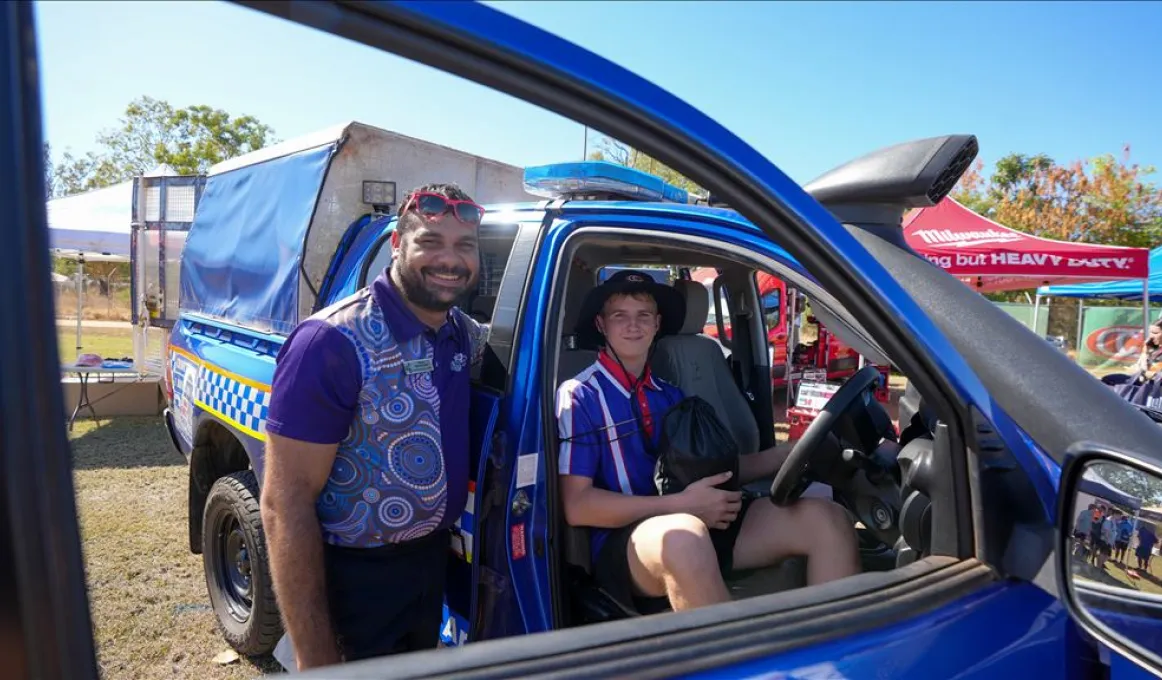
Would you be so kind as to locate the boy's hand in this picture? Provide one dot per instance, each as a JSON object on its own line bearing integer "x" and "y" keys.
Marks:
{"x": 715, "y": 507}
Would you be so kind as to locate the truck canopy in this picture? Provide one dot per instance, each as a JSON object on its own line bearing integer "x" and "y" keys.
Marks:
{"x": 270, "y": 221}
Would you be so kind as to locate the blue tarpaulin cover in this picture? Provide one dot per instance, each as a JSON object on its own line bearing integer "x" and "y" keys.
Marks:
{"x": 1119, "y": 290}
{"x": 241, "y": 260}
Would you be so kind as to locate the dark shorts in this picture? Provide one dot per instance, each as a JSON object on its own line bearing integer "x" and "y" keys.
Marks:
{"x": 1103, "y": 547}
{"x": 612, "y": 573}
{"x": 1121, "y": 545}
{"x": 390, "y": 599}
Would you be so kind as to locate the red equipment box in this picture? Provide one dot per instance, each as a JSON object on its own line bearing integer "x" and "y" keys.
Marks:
{"x": 807, "y": 404}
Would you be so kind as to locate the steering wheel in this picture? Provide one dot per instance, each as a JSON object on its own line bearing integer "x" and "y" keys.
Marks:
{"x": 792, "y": 479}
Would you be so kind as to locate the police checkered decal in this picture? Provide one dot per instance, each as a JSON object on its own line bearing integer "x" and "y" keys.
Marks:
{"x": 240, "y": 404}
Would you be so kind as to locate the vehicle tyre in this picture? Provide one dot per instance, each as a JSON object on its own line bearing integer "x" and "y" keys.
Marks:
{"x": 237, "y": 571}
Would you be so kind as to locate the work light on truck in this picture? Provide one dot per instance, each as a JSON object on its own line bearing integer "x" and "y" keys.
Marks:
{"x": 379, "y": 193}
{"x": 599, "y": 180}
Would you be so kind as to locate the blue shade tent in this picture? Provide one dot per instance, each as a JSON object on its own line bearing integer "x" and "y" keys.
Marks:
{"x": 1095, "y": 485}
{"x": 1117, "y": 290}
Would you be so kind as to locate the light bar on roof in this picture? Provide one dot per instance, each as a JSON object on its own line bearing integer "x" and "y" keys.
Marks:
{"x": 586, "y": 178}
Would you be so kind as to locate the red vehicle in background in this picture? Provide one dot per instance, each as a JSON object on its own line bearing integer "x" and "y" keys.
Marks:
{"x": 818, "y": 357}
{"x": 821, "y": 350}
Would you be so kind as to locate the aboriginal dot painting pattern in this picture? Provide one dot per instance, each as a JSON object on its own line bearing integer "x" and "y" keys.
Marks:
{"x": 387, "y": 484}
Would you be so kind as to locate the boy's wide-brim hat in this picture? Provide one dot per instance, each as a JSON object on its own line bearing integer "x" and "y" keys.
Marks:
{"x": 671, "y": 305}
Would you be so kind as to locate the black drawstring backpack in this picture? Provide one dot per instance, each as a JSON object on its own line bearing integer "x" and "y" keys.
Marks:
{"x": 695, "y": 444}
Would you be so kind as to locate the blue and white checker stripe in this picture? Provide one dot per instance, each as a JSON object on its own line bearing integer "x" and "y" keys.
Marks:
{"x": 243, "y": 406}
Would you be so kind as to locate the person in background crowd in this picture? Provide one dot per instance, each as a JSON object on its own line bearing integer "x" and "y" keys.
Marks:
{"x": 1082, "y": 529}
{"x": 1146, "y": 540}
{"x": 1125, "y": 529}
{"x": 1108, "y": 534}
{"x": 1095, "y": 533}
{"x": 1150, "y": 360}
{"x": 367, "y": 452}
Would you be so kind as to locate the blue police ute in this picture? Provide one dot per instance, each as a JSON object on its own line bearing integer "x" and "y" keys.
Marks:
{"x": 974, "y": 493}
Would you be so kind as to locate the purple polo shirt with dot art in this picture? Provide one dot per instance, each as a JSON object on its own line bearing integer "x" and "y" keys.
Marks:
{"x": 366, "y": 373}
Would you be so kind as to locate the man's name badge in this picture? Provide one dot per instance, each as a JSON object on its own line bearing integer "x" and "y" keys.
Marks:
{"x": 417, "y": 366}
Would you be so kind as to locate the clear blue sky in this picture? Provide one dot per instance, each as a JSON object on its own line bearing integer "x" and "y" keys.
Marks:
{"x": 810, "y": 85}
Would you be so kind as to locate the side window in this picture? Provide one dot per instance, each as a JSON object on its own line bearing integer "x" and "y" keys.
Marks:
{"x": 808, "y": 325}
{"x": 663, "y": 275}
{"x": 716, "y": 294}
{"x": 666, "y": 275}
{"x": 712, "y": 313}
{"x": 380, "y": 260}
{"x": 720, "y": 308}
{"x": 772, "y": 310}
{"x": 715, "y": 307}
{"x": 496, "y": 241}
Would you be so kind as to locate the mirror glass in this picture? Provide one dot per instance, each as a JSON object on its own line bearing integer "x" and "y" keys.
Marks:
{"x": 1114, "y": 566}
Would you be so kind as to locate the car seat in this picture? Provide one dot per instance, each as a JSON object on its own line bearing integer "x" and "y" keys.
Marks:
{"x": 695, "y": 363}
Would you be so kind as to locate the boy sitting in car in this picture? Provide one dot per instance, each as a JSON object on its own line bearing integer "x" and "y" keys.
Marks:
{"x": 647, "y": 548}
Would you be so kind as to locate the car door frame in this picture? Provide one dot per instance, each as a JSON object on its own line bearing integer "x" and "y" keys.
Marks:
{"x": 48, "y": 633}
{"x": 491, "y": 48}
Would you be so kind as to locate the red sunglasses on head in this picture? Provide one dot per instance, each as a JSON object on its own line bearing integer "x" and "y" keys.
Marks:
{"x": 432, "y": 206}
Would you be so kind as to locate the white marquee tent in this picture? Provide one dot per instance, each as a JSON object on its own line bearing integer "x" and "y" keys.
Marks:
{"x": 93, "y": 222}
{"x": 98, "y": 221}
{"x": 96, "y": 226}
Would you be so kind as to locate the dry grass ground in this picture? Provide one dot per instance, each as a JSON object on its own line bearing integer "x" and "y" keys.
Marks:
{"x": 107, "y": 342}
{"x": 96, "y": 307}
{"x": 1146, "y": 580}
{"x": 147, "y": 593}
{"x": 1126, "y": 575}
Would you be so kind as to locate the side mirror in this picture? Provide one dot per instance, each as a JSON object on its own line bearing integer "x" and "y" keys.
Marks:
{"x": 1110, "y": 573}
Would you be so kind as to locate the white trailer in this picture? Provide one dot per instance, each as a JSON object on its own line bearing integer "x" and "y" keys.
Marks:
{"x": 375, "y": 164}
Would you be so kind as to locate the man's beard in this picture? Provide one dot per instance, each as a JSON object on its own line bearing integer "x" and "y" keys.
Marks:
{"x": 411, "y": 281}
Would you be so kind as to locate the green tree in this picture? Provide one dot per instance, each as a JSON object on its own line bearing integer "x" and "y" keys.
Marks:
{"x": 1130, "y": 481}
{"x": 1015, "y": 173}
{"x": 1103, "y": 200}
{"x": 613, "y": 151}
{"x": 151, "y": 132}
{"x": 971, "y": 191}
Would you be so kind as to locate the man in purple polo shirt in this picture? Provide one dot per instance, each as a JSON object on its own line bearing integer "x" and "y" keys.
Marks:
{"x": 649, "y": 550}
{"x": 367, "y": 453}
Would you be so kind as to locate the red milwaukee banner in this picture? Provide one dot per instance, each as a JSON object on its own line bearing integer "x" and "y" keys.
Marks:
{"x": 990, "y": 256}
